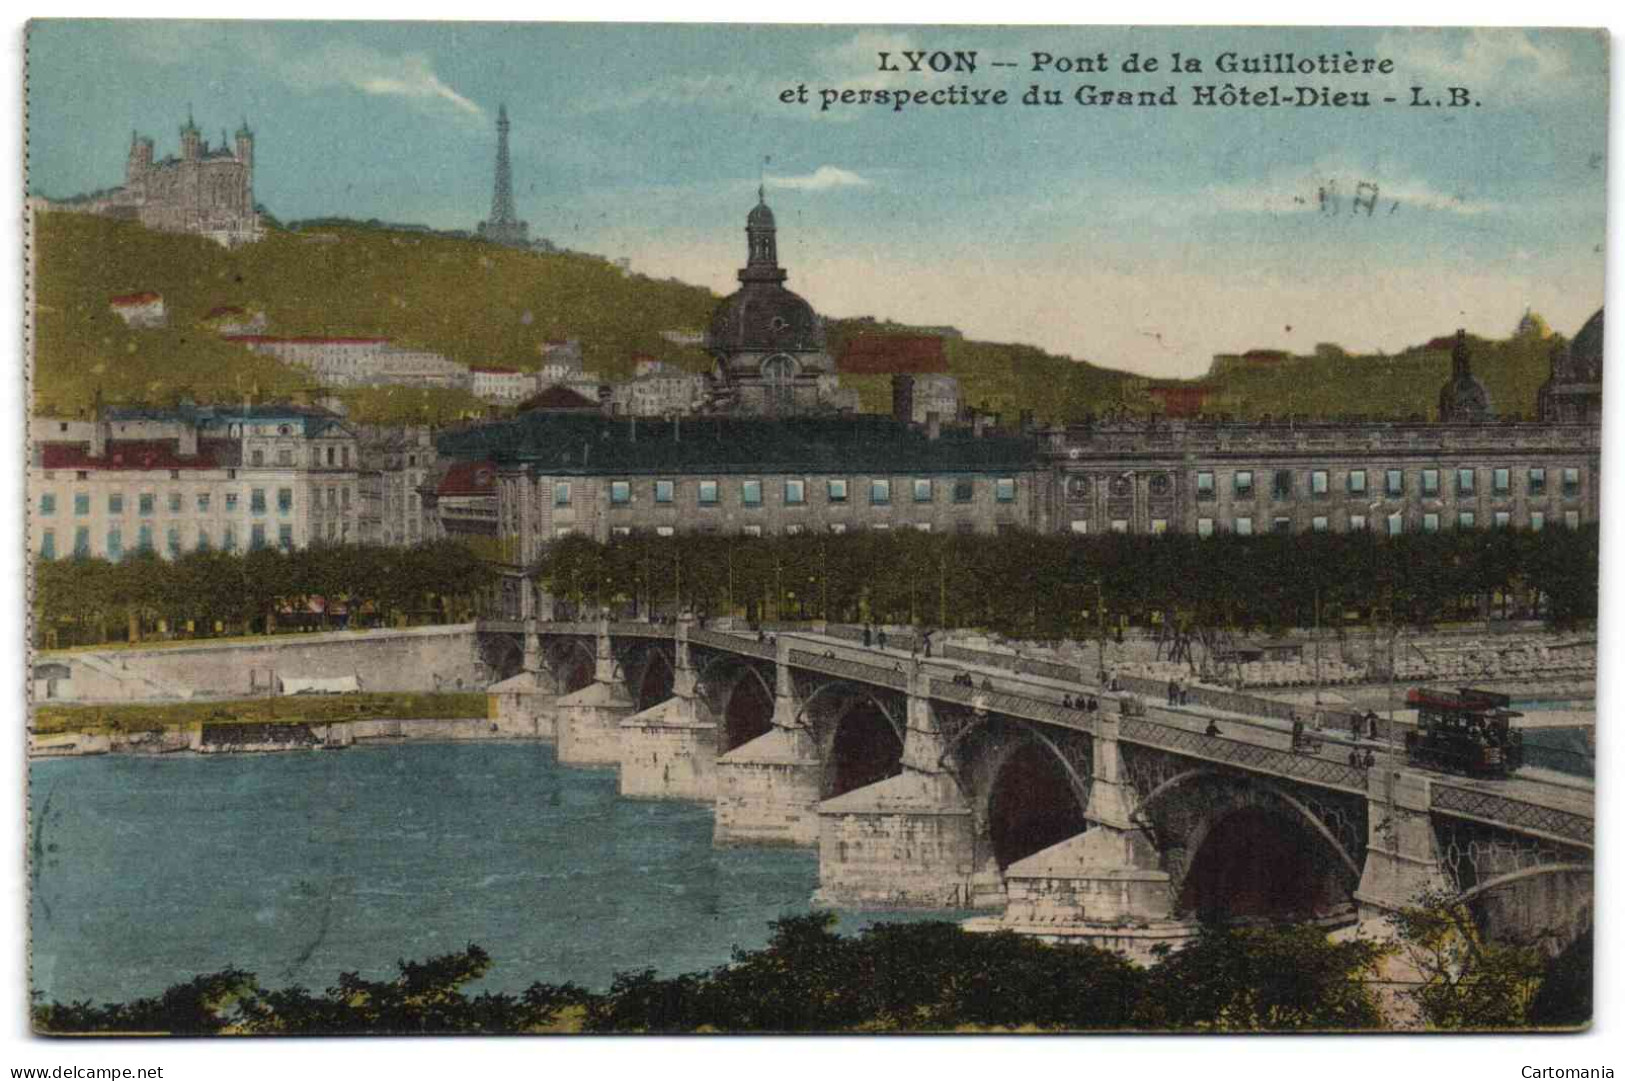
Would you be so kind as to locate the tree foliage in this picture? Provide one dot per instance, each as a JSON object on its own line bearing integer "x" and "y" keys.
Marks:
{"x": 84, "y": 601}
{"x": 911, "y": 977}
{"x": 1467, "y": 981}
{"x": 1043, "y": 586}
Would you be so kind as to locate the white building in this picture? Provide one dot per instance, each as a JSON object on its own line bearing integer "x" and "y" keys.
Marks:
{"x": 501, "y": 384}
{"x": 191, "y": 479}
{"x": 140, "y": 309}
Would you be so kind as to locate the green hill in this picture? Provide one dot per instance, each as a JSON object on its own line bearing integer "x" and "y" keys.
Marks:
{"x": 486, "y": 305}
{"x": 473, "y": 302}
{"x": 1333, "y": 383}
{"x": 1006, "y": 379}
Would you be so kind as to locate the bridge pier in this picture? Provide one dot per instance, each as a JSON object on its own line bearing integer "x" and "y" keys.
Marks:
{"x": 768, "y": 789}
{"x": 589, "y": 721}
{"x": 908, "y": 841}
{"x": 669, "y": 751}
{"x": 1104, "y": 886}
{"x": 1402, "y": 851}
{"x": 522, "y": 705}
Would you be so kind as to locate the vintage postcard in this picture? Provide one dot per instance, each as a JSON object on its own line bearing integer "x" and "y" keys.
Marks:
{"x": 615, "y": 528}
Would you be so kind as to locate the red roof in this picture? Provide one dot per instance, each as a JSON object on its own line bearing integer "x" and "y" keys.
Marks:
{"x": 1181, "y": 401}
{"x": 125, "y": 454}
{"x": 469, "y": 478}
{"x": 131, "y": 300}
{"x": 883, "y": 354}
{"x": 557, "y": 397}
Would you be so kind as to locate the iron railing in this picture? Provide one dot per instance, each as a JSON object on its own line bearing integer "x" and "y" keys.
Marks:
{"x": 1516, "y": 814}
{"x": 1248, "y": 756}
{"x": 849, "y": 669}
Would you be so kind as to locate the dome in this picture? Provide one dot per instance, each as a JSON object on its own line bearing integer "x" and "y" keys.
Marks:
{"x": 760, "y": 217}
{"x": 1586, "y": 349}
{"x": 764, "y": 317}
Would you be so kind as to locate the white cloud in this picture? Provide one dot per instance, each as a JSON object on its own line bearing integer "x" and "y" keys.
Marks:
{"x": 822, "y": 178}
{"x": 1481, "y": 59}
{"x": 360, "y": 67}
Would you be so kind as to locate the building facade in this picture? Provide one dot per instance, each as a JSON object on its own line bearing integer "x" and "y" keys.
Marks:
{"x": 191, "y": 479}
{"x": 558, "y": 475}
{"x": 395, "y": 464}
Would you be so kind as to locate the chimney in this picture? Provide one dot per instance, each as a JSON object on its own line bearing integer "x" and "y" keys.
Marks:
{"x": 933, "y": 425}
{"x": 186, "y": 442}
{"x": 633, "y": 428}
{"x": 902, "y": 398}
{"x": 98, "y": 427}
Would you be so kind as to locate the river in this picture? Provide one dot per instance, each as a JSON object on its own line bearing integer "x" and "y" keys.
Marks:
{"x": 150, "y": 870}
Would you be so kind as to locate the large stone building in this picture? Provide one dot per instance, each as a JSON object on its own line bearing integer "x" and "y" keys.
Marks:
{"x": 192, "y": 479}
{"x": 360, "y": 361}
{"x": 558, "y": 474}
{"x": 1201, "y": 476}
{"x": 206, "y": 190}
{"x": 769, "y": 344}
{"x": 395, "y": 464}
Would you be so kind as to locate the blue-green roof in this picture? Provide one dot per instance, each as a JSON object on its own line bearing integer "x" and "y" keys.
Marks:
{"x": 566, "y": 444}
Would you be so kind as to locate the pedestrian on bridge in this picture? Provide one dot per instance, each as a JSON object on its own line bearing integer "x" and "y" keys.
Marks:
{"x": 880, "y": 636}
{"x": 1173, "y": 692}
{"x": 868, "y": 636}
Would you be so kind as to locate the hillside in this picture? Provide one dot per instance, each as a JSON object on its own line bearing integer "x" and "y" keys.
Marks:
{"x": 1007, "y": 379}
{"x": 473, "y": 302}
{"x": 1332, "y": 383}
{"x": 486, "y": 305}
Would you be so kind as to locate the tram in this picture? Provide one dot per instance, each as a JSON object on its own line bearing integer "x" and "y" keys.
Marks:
{"x": 1471, "y": 732}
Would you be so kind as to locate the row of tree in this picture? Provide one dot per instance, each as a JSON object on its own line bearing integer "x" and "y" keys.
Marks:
{"x": 86, "y": 601}
{"x": 1044, "y": 586}
{"x": 919, "y": 977}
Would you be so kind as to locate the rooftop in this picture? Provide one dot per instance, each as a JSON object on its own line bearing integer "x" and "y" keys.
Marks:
{"x": 590, "y": 444}
{"x": 885, "y": 354}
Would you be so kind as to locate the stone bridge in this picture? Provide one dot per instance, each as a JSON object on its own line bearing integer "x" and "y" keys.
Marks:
{"x": 1122, "y": 826}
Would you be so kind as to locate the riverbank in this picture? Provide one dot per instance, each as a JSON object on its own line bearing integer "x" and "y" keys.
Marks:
{"x": 266, "y": 724}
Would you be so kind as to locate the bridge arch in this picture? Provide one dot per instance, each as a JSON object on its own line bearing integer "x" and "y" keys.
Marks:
{"x": 862, "y": 744}
{"x": 502, "y": 654}
{"x": 746, "y": 708}
{"x": 1241, "y": 848}
{"x": 572, "y": 663}
{"x": 1032, "y": 804}
{"x": 649, "y": 677}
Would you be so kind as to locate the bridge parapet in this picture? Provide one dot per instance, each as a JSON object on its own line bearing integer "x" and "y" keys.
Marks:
{"x": 567, "y": 628}
{"x": 750, "y": 647}
{"x": 632, "y": 629}
{"x": 1516, "y": 814}
{"x": 856, "y": 670}
{"x": 1247, "y": 756}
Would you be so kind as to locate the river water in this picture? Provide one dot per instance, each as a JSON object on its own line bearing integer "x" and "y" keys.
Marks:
{"x": 150, "y": 870}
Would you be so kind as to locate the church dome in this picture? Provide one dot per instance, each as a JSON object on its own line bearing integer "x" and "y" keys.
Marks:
{"x": 764, "y": 317}
{"x": 760, "y": 217}
{"x": 1586, "y": 349}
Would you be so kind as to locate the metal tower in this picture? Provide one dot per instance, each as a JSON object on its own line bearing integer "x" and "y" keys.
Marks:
{"x": 504, "y": 226}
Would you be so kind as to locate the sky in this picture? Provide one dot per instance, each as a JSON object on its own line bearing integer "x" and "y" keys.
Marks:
{"x": 1139, "y": 237}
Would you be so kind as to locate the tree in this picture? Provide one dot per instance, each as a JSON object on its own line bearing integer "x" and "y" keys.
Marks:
{"x": 1467, "y": 982}
{"x": 1270, "y": 979}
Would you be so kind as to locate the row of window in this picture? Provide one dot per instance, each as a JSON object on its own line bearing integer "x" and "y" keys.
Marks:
{"x": 147, "y": 502}
{"x": 1393, "y": 482}
{"x": 793, "y": 493}
{"x": 144, "y": 541}
{"x": 1243, "y": 525}
{"x": 336, "y": 457}
{"x": 791, "y": 530}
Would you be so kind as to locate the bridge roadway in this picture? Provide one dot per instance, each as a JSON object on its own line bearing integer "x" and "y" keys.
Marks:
{"x": 1538, "y": 803}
